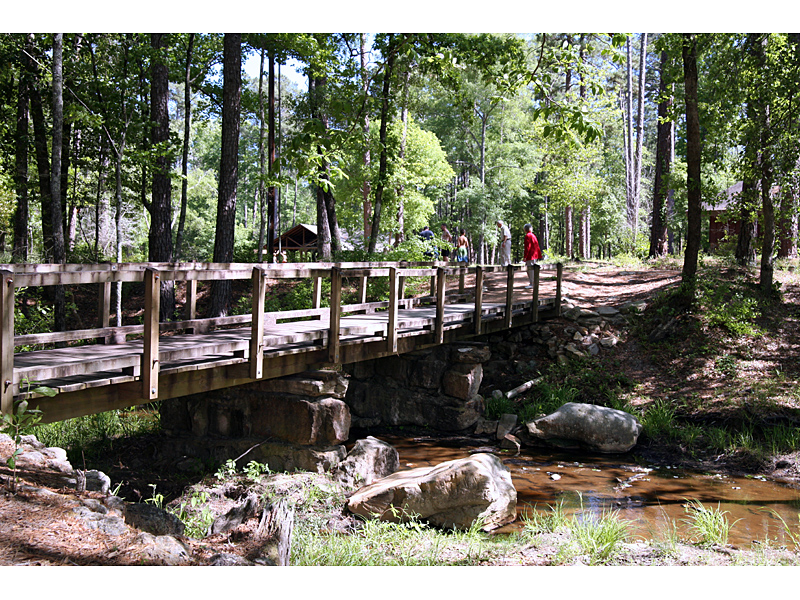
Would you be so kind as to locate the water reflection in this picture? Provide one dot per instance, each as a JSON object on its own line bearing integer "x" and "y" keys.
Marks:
{"x": 652, "y": 498}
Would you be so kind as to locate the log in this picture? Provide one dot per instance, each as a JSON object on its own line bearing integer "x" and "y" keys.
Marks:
{"x": 523, "y": 388}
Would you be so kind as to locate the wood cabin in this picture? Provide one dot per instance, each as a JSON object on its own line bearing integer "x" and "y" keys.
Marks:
{"x": 301, "y": 238}
{"x": 723, "y": 218}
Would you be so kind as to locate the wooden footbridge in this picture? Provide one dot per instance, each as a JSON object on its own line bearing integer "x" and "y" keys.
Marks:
{"x": 87, "y": 371}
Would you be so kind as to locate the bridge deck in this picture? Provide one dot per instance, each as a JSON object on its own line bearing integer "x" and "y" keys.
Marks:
{"x": 100, "y": 376}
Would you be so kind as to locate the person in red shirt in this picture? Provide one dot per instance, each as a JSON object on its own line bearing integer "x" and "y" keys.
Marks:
{"x": 532, "y": 252}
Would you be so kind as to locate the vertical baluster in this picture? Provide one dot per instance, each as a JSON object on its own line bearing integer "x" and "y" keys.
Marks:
{"x": 316, "y": 298}
{"x": 509, "y": 294}
{"x": 104, "y": 309}
{"x": 257, "y": 324}
{"x": 335, "y": 315}
{"x": 362, "y": 289}
{"x": 535, "y": 307}
{"x": 478, "y": 299}
{"x": 150, "y": 366}
{"x": 7, "y": 342}
{"x": 391, "y": 325}
{"x": 440, "y": 292}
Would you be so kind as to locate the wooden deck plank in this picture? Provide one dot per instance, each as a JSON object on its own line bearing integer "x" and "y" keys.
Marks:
{"x": 81, "y": 367}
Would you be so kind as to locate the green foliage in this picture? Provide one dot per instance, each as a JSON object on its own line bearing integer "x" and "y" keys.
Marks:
{"x": 96, "y": 433}
{"x": 19, "y": 422}
{"x": 253, "y": 470}
{"x": 496, "y": 406}
{"x": 730, "y": 306}
{"x": 195, "y": 514}
{"x": 658, "y": 420}
{"x": 226, "y": 471}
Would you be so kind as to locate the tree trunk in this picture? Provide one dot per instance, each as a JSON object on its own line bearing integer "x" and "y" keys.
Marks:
{"x": 160, "y": 240}
{"x": 272, "y": 205}
{"x": 400, "y": 235}
{"x": 43, "y": 169}
{"x": 382, "y": 166}
{"x": 628, "y": 115}
{"x": 568, "y": 232}
{"x": 187, "y": 129}
{"x": 228, "y": 171}
{"x": 21, "y": 213}
{"x": 262, "y": 206}
{"x": 56, "y": 215}
{"x": 658, "y": 229}
{"x": 365, "y": 188}
{"x": 693, "y": 154}
{"x": 637, "y": 164}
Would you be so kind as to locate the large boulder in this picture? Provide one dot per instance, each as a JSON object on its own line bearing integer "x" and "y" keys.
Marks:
{"x": 597, "y": 427}
{"x": 463, "y": 380}
{"x": 453, "y": 494}
{"x": 369, "y": 460}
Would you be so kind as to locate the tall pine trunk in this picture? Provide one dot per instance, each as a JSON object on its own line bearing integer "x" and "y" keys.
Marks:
{"x": 658, "y": 230}
{"x": 382, "y": 166}
{"x": 228, "y": 168}
{"x": 56, "y": 214}
{"x": 21, "y": 212}
{"x": 187, "y": 130}
{"x": 365, "y": 187}
{"x": 160, "y": 239}
{"x": 693, "y": 154}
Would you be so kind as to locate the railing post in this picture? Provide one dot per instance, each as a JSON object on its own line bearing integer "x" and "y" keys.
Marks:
{"x": 509, "y": 294}
{"x": 440, "y": 292}
{"x": 461, "y": 276}
{"x": 391, "y": 325}
{"x": 535, "y": 307}
{"x": 478, "y": 298}
{"x": 150, "y": 366}
{"x": 335, "y": 315}
{"x": 559, "y": 273}
{"x": 7, "y": 343}
{"x": 257, "y": 324}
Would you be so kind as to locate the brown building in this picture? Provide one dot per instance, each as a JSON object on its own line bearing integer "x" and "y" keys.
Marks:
{"x": 723, "y": 219}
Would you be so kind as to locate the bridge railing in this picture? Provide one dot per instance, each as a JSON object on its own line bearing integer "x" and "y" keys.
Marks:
{"x": 152, "y": 274}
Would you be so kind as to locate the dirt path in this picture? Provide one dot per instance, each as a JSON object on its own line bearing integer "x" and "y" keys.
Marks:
{"x": 600, "y": 286}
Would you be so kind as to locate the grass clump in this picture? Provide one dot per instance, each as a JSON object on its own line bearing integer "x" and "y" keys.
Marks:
{"x": 599, "y": 538}
{"x": 547, "y": 521}
{"x": 710, "y": 526}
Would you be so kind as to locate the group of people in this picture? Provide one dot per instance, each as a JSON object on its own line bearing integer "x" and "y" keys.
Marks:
{"x": 531, "y": 246}
{"x": 461, "y": 245}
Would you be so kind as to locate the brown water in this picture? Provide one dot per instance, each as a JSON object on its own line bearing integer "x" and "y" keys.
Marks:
{"x": 652, "y": 498}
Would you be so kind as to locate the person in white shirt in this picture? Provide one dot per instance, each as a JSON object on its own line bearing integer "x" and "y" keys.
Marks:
{"x": 505, "y": 243}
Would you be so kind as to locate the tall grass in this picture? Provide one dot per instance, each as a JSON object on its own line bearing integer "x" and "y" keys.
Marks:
{"x": 599, "y": 538}
{"x": 80, "y": 433}
{"x": 710, "y": 525}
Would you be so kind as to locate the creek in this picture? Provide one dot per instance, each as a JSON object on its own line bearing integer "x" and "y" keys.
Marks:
{"x": 651, "y": 497}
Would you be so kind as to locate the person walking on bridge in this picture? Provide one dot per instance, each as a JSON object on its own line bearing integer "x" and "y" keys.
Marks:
{"x": 505, "y": 243}
{"x": 532, "y": 252}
